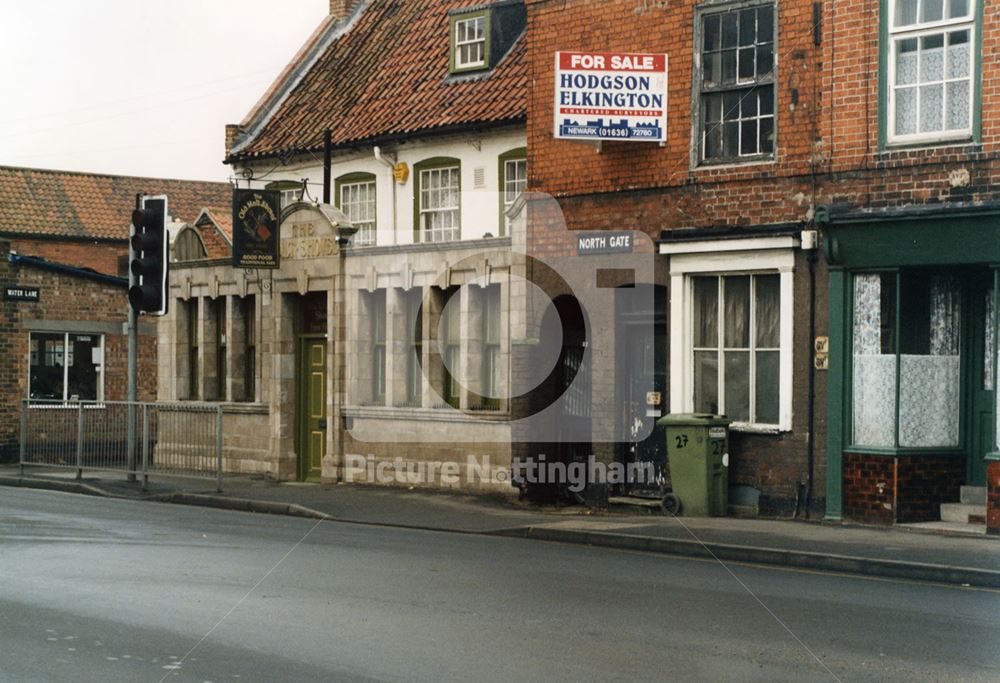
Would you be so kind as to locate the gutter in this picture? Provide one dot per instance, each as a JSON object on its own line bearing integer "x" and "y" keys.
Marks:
{"x": 840, "y": 214}
{"x": 73, "y": 271}
{"x": 729, "y": 232}
{"x": 388, "y": 139}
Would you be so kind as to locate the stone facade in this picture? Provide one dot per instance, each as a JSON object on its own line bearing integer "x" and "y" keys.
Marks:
{"x": 258, "y": 320}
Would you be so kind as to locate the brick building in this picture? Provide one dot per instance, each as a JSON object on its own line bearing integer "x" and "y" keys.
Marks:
{"x": 63, "y": 260}
{"x": 875, "y": 125}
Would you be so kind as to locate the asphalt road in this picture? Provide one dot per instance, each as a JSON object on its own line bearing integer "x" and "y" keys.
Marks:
{"x": 103, "y": 590}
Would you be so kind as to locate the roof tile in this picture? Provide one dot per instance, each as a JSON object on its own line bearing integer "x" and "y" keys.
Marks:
{"x": 92, "y": 206}
{"x": 388, "y": 75}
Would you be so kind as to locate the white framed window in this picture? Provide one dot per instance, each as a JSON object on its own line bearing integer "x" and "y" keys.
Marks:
{"x": 65, "y": 366}
{"x": 439, "y": 210}
{"x": 290, "y": 196}
{"x": 515, "y": 181}
{"x": 931, "y": 64}
{"x": 470, "y": 43}
{"x": 731, "y": 318}
{"x": 736, "y": 345}
{"x": 290, "y": 191}
{"x": 357, "y": 200}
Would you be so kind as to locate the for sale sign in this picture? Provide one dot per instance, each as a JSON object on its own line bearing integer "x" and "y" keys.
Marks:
{"x": 611, "y": 96}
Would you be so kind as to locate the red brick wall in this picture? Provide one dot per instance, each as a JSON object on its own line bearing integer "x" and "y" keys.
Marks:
{"x": 993, "y": 497}
{"x": 104, "y": 257}
{"x": 216, "y": 244}
{"x": 919, "y": 483}
{"x": 63, "y": 298}
{"x": 827, "y": 125}
{"x": 826, "y": 152}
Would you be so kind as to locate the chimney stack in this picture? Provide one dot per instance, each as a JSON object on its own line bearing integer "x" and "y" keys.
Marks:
{"x": 341, "y": 9}
{"x": 233, "y": 131}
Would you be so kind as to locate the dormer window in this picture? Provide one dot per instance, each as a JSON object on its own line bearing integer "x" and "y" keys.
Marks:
{"x": 481, "y": 35}
{"x": 469, "y": 43}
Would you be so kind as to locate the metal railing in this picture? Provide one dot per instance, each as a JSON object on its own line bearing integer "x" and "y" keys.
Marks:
{"x": 167, "y": 439}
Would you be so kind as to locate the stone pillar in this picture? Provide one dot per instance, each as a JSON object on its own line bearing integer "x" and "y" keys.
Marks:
{"x": 235, "y": 349}
{"x": 281, "y": 385}
{"x": 181, "y": 320}
{"x": 396, "y": 346}
{"x": 208, "y": 346}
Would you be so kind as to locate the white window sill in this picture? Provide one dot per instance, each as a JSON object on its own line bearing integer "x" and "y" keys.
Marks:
{"x": 746, "y": 428}
{"x": 928, "y": 142}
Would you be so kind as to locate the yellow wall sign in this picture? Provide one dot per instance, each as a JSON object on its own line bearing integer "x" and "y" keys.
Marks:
{"x": 401, "y": 172}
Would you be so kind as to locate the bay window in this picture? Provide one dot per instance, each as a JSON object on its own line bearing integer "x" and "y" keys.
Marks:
{"x": 906, "y": 360}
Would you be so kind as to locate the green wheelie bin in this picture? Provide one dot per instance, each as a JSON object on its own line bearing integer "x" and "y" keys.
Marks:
{"x": 698, "y": 458}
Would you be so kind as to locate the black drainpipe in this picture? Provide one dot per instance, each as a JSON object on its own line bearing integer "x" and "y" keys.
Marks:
{"x": 811, "y": 404}
{"x": 327, "y": 152}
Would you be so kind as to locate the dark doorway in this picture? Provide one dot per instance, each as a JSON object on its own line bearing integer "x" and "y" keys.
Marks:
{"x": 641, "y": 379}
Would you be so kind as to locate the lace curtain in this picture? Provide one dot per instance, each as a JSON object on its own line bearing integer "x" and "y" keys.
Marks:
{"x": 946, "y": 311}
{"x": 929, "y": 384}
{"x": 867, "y": 314}
{"x": 874, "y": 372}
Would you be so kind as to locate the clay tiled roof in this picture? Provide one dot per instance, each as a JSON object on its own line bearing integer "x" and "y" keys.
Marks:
{"x": 91, "y": 206}
{"x": 387, "y": 75}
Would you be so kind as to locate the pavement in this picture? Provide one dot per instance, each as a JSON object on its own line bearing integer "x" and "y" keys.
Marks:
{"x": 893, "y": 552}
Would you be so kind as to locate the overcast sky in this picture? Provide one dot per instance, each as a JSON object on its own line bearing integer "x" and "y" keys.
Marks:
{"x": 138, "y": 87}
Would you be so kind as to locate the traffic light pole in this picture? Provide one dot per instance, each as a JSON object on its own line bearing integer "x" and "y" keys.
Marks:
{"x": 133, "y": 368}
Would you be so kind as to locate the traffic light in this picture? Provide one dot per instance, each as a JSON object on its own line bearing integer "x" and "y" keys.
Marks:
{"x": 148, "y": 257}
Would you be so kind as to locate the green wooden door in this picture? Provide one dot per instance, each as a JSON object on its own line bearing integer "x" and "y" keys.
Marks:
{"x": 983, "y": 383}
{"x": 311, "y": 407}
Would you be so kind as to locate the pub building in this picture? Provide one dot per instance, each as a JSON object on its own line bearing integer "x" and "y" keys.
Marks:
{"x": 383, "y": 333}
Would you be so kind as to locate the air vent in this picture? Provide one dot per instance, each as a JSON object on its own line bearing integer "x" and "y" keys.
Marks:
{"x": 479, "y": 178}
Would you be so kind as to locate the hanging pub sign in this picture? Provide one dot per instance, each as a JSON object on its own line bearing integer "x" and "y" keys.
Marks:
{"x": 611, "y": 96}
{"x": 256, "y": 226}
